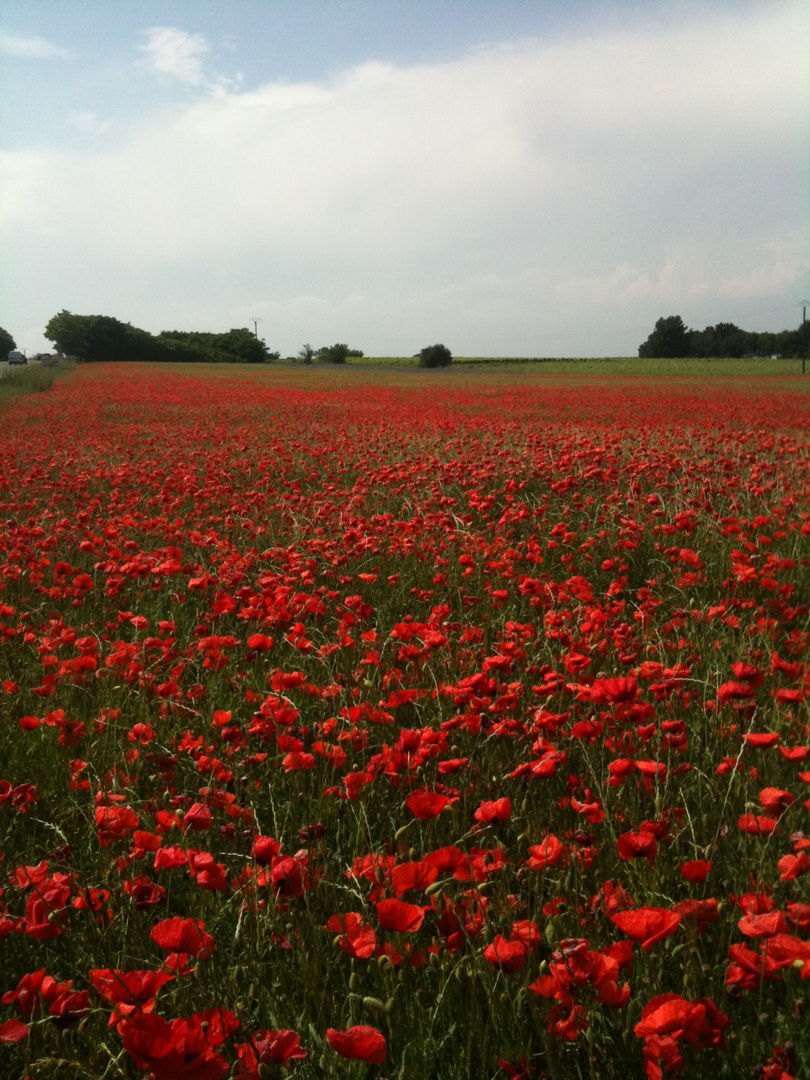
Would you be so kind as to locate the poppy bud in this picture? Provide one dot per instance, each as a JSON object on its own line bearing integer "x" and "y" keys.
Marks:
{"x": 374, "y": 1004}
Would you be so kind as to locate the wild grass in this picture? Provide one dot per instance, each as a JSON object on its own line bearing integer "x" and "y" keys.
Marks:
{"x": 30, "y": 379}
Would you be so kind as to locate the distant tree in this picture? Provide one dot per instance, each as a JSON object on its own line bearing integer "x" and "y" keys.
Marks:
{"x": 92, "y": 338}
{"x": 724, "y": 339}
{"x": 236, "y": 346}
{"x": 305, "y": 353}
{"x": 7, "y": 343}
{"x": 670, "y": 338}
{"x": 355, "y": 354}
{"x": 435, "y": 356}
{"x": 333, "y": 354}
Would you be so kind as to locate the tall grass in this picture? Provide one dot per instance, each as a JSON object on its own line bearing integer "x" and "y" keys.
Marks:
{"x": 30, "y": 379}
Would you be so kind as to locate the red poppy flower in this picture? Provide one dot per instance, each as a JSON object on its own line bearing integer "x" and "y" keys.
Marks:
{"x": 289, "y": 874}
{"x": 13, "y": 1031}
{"x": 129, "y": 988}
{"x": 548, "y": 853}
{"x": 450, "y": 860}
{"x": 264, "y": 848}
{"x": 758, "y": 824}
{"x": 197, "y": 817}
{"x": 637, "y": 845}
{"x": 426, "y": 805}
{"x": 167, "y": 858}
{"x": 786, "y": 950}
{"x": 507, "y": 955}
{"x": 29, "y": 990}
{"x": 793, "y": 866}
{"x": 696, "y": 870}
{"x": 619, "y": 770}
{"x": 46, "y": 912}
{"x": 361, "y": 1042}
{"x": 412, "y": 875}
{"x": 734, "y": 691}
{"x": 702, "y": 912}
{"x": 648, "y": 925}
{"x": 565, "y": 1021}
{"x": 763, "y": 926}
{"x": 358, "y": 940}
{"x": 145, "y": 893}
{"x": 700, "y": 1022}
{"x": 259, "y": 642}
{"x": 663, "y": 1015}
{"x": 183, "y": 936}
{"x": 527, "y": 931}
{"x": 114, "y": 822}
{"x": 399, "y": 916}
{"x": 499, "y": 810}
{"x": 614, "y": 691}
{"x": 268, "y": 1048}
{"x": 761, "y": 738}
{"x": 182, "y": 1048}
{"x": 774, "y": 800}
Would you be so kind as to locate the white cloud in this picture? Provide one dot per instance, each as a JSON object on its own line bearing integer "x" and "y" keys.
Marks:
{"x": 89, "y": 123}
{"x": 24, "y": 189}
{"x": 509, "y": 195}
{"x": 30, "y": 48}
{"x": 175, "y": 53}
{"x": 778, "y": 268}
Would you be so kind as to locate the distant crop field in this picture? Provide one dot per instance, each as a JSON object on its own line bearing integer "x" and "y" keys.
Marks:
{"x": 614, "y": 365}
{"x": 382, "y": 723}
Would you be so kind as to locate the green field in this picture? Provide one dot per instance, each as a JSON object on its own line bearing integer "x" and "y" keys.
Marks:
{"x": 608, "y": 365}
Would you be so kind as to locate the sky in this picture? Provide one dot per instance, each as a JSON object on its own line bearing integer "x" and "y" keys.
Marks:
{"x": 507, "y": 177}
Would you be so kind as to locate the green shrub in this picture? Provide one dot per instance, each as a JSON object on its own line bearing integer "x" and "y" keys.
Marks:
{"x": 435, "y": 356}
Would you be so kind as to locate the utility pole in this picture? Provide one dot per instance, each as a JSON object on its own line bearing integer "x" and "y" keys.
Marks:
{"x": 255, "y": 320}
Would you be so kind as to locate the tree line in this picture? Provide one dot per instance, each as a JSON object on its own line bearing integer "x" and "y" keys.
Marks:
{"x": 672, "y": 338}
{"x": 96, "y": 338}
{"x": 7, "y": 343}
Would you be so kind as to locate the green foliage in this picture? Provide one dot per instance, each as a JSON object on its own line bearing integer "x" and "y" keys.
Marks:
{"x": 726, "y": 339}
{"x": 92, "y": 338}
{"x": 7, "y": 343}
{"x": 670, "y": 338}
{"x": 95, "y": 338}
{"x": 435, "y": 356}
{"x": 237, "y": 346}
{"x": 334, "y": 354}
{"x": 305, "y": 353}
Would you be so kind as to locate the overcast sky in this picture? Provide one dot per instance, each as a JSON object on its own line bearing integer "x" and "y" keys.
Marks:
{"x": 509, "y": 177}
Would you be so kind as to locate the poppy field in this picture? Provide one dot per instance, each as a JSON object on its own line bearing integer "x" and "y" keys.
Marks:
{"x": 427, "y": 728}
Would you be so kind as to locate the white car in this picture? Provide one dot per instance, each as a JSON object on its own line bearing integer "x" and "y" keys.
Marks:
{"x": 16, "y": 357}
